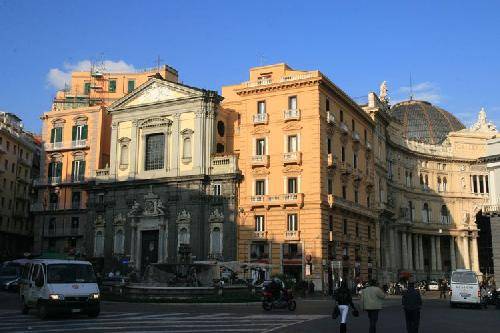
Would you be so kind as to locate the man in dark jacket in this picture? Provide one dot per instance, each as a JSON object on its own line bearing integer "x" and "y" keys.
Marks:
{"x": 412, "y": 302}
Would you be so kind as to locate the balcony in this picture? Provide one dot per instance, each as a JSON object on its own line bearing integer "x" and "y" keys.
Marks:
{"x": 368, "y": 146}
{"x": 357, "y": 174}
{"x": 289, "y": 199}
{"x": 78, "y": 143}
{"x": 294, "y": 157}
{"x": 24, "y": 161}
{"x": 260, "y": 235}
{"x": 355, "y": 137}
{"x": 292, "y": 235}
{"x": 291, "y": 114}
{"x": 332, "y": 161}
{"x": 65, "y": 145}
{"x": 220, "y": 165}
{"x": 260, "y": 118}
{"x": 345, "y": 168}
{"x": 335, "y": 201}
{"x": 330, "y": 118}
{"x": 343, "y": 128}
{"x": 260, "y": 160}
{"x": 101, "y": 174}
{"x": 491, "y": 209}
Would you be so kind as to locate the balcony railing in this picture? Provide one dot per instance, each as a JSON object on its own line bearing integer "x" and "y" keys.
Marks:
{"x": 292, "y": 114}
{"x": 260, "y": 235}
{"x": 491, "y": 209}
{"x": 51, "y": 146}
{"x": 343, "y": 128}
{"x": 345, "y": 168}
{"x": 260, "y": 118}
{"x": 283, "y": 79}
{"x": 224, "y": 164}
{"x": 356, "y": 137}
{"x": 292, "y": 235}
{"x": 334, "y": 200}
{"x": 278, "y": 199}
{"x": 260, "y": 160}
{"x": 292, "y": 157}
{"x": 332, "y": 161}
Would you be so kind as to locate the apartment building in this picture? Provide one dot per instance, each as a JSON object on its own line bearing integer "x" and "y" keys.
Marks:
{"x": 76, "y": 142}
{"x": 17, "y": 150}
{"x": 305, "y": 202}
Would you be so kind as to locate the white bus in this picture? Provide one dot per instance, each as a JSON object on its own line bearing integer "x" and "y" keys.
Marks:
{"x": 465, "y": 288}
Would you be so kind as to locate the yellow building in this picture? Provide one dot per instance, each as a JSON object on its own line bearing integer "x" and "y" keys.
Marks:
{"x": 76, "y": 137}
{"x": 305, "y": 201}
{"x": 17, "y": 153}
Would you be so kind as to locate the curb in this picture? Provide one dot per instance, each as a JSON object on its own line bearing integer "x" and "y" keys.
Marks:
{"x": 181, "y": 304}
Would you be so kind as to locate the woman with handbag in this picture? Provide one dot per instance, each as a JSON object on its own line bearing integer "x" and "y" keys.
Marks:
{"x": 343, "y": 300}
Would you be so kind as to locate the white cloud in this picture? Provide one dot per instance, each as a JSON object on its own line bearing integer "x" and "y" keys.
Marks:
{"x": 59, "y": 78}
{"x": 424, "y": 91}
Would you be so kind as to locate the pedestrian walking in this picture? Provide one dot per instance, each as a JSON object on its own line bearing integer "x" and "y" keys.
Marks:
{"x": 371, "y": 301}
{"x": 343, "y": 300}
{"x": 412, "y": 302}
{"x": 443, "y": 289}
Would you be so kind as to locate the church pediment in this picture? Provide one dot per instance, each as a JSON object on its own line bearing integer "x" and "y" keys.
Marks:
{"x": 155, "y": 91}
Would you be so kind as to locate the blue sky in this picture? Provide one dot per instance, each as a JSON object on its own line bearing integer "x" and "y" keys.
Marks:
{"x": 451, "y": 48}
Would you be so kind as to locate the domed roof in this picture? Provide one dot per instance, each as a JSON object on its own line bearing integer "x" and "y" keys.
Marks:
{"x": 424, "y": 122}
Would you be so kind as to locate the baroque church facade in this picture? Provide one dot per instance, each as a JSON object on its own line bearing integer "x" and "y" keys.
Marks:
{"x": 170, "y": 187}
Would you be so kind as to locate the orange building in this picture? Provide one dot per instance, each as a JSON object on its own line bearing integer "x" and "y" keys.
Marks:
{"x": 76, "y": 142}
{"x": 305, "y": 152}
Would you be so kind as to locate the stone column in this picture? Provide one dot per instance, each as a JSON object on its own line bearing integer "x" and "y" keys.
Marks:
{"x": 477, "y": 184}
{"x": 176, "y": 148}
{"x": 392, "y": 248}
{"x": 453, "y": 257}
{"x": 484, "y": 184}
{"x": 410, "y": 251}
{"x": 466, "y": 254}
{"x": 133, "y": 151}
{"x": 439, "y": 260}
{"x": 198, "y": 139}
{"x": 416, "y": 254}
{"x": 433, "y": 254}
{"x": 421, "y": 252}
{"x": 404, "y": 251}
{"x": 474, "y": 255}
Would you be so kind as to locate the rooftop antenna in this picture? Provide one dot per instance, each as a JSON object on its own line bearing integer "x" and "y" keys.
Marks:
{"x": 262, "y": 60}
{"x": 158, "y": 63}
{"x": 411, "y": 89}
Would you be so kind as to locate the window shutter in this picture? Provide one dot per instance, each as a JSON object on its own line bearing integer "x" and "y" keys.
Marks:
{"x": 73, "y": 133}
{"x": 58, "y": 169}
{"x": 73, "y": 170}
{"x": 52, "y": 135}
{"x": 58, "y": 134}
{"x": 81, "y": 169}
{"x": 84, "y": 132}
{"x": 51, "y": 167}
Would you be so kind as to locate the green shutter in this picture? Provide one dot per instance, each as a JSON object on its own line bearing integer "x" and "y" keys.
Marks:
{"x": 84, "y": 132}
{"x": 58, "y": 134}
{"x": 81, "y": 170}
{"x": 52, "y": 135}
{"x": 51, "y": 166}
{"x": 86, "y": 89}
{"x": 112, "y": 86}
{"x": 73, "y": 133}
{"x": 73, "y": 173}
{"x": 58, "y": 169}
{"x": 131, "y": 85}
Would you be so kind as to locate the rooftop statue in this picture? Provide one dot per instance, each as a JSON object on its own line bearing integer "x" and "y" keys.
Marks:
{"x": 482, "y": 125}
{"x": 383, "y": 92}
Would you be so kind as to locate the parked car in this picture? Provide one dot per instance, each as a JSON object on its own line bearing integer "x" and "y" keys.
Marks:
{"x": 9, "y": 276}
{"x": 433, "y": 285}
{"x": 53, "y": 286}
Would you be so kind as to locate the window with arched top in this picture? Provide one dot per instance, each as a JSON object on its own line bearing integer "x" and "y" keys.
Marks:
{"x": 426, "y": 213}
{"x": 186, "y": 148}
{"x": 445, "y": 184}
{"x": 445, "y": 215}
{"x": 439, "y": 184}
{"x": 124, "y": 155}
{"x": 183, "y": 236}
{"x": 119, "y": 245}
{"x": 99, "y": 244}
{"x": 216, "y": 240}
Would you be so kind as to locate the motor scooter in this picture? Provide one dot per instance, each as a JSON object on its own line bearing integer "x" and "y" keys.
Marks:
{"x": 284, "y": 301}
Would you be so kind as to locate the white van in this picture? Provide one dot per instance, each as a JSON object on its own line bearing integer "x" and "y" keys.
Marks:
{"x": 464, "y": 288}
{"x": 53, "y": 286}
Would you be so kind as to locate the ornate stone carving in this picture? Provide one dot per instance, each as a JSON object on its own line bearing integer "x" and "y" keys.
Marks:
{"x": 292, "y": 127}
{"x": 154, "y": 122}
{"x": 135, "y": 209}
{"x": 119, "y": 220}
{"x": 216, "y": 216}
{"x": 482, "y": 125}
{"x": 156, "y": 92}
{"x": 292, "y": 169}
{"x": 99, "y": 220}
{"x": 184, "y": 217}
{"x": 153, "y": 206}
{"x": 260, "y": 171}
{"x": 260, "y": 130}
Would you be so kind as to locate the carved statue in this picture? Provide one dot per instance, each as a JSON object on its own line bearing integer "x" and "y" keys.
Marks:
{"x": 159, "y": 207}
{"x": 135, "y": 209}
{"x": 383, "y": 92}
{"x": 482, "y": 124}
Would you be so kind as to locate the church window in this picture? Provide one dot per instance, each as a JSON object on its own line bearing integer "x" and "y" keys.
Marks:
{"x": 155, "y": 150}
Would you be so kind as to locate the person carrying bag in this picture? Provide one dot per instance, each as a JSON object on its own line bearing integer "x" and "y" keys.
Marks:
{"x": 343, "y": 301}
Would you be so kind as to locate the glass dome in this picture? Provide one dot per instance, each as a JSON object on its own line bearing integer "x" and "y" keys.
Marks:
{"x": 424, "y": 122}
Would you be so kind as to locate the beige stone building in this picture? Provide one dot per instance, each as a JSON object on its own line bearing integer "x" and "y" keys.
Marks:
{"x": 430, "y": 185}
{"x": 18, "y": 149}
